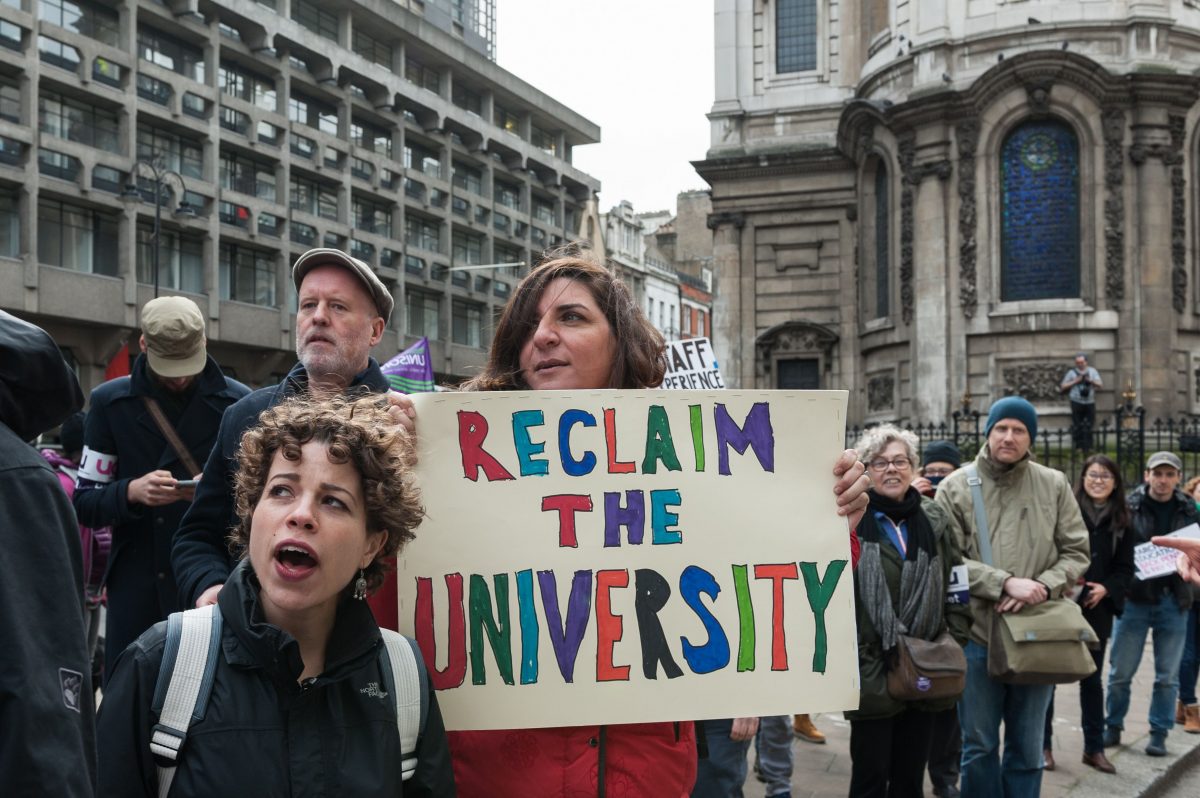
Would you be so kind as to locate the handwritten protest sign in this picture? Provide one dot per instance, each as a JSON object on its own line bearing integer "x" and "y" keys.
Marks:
{"x": 692, "y": 365}
{"x": 627, "y": 556}
{"x": 1152, "y": 561}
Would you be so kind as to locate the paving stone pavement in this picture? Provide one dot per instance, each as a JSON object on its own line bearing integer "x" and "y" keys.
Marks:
{"x": 823, "y": 771}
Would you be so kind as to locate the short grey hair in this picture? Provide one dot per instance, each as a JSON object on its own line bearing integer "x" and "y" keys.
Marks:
{"x": 875, "y": 439}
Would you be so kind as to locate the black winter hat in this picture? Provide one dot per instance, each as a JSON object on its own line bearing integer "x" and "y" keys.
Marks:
{"x": 942, "y": 452}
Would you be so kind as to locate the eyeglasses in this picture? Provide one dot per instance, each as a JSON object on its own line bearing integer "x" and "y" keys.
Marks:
{"x": 938, "y": 472}
{"x": 899, "y": 463}
{"x": 1102, "y": 476}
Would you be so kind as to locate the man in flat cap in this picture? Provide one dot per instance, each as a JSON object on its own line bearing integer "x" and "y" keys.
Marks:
{"x": 342, "y": 310}
{"x": 144, "y": 433}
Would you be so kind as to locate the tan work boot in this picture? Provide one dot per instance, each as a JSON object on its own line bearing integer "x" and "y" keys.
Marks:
{"x": 1191, "y": 719}
{"x": 1180, "y": 716}
{"x": 805, "y": 730}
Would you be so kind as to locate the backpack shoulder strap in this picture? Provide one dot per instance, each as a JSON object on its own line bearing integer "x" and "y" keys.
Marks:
{"x": 185, "y": 680}
{"x": 401, "y": 664}
{"x": 981, "y": 519}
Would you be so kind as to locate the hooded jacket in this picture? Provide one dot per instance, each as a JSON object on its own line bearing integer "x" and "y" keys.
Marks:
{"x": 1036, "y": 529}
{"x": 121, "y": 443}
{"x": 264, "y": 734}
{"x": 47, "y": 746}
{"x": 199, "y": 554}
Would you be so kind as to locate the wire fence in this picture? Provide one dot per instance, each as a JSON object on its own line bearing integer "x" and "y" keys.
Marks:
{"x": 1124, "y": 435}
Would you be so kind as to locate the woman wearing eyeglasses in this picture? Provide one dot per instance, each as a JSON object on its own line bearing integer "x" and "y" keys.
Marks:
{"x": 1101, "y": 592}
{"x": 904, "y": 568}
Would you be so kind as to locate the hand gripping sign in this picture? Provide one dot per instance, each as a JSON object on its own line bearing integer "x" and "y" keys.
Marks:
{"x": 627, "y": 556}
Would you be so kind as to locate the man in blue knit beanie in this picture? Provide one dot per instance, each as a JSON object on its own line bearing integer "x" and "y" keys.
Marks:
{"x": 1040, "y": 548}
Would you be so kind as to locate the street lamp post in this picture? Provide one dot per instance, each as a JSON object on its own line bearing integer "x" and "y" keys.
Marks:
{"x": 164, "y": 178}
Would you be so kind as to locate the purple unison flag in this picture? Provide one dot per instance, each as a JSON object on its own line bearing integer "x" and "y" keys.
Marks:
{"x": 411, "y": 371}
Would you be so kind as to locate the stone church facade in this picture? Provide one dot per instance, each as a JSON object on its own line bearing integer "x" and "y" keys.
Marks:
{"x": 925, "y": 199}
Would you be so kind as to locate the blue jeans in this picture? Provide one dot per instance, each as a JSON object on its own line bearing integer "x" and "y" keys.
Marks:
{"x": 723, "y": 772}
{"x": 1169, "y": 626}
{"x": 1189, "y": 666}
{"x": 773, "y": 753}
{"x": 986, "y": 704}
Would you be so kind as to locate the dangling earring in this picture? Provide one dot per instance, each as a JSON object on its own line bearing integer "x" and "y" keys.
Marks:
{"x": 360, "y": 586}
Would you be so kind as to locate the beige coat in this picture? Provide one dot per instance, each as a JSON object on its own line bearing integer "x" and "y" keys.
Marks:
{"x": 1036, "y": 531}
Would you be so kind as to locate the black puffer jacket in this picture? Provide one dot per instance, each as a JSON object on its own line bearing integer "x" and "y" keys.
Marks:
{"x": 199, "y": 554}
{"x": 1148, "y": 591}
{"x": 264, "y": 734}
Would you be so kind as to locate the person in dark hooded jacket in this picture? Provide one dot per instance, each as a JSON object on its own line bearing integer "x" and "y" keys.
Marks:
{"x": 47, "y": 746}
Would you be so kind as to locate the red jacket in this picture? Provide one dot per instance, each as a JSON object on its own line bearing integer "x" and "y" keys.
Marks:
{"x": 654, "y": 760}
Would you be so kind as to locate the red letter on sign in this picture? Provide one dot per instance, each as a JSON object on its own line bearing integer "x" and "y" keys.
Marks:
{"x": 608, "y": 627}
{"x": 567, "y": 505}
{"x": 610, "y": 439}
{"x": 472, "y": 429}
{"x": 776, "y": 573}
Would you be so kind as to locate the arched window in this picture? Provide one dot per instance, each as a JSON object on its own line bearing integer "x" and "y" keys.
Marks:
{"x": 875, "y": 249}
{"x": 1039, "y": 212}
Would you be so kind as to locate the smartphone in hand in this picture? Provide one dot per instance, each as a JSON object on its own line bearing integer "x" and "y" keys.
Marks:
{"x": 186, "y": 484}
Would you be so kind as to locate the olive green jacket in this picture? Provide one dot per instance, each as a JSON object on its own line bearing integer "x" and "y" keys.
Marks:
{"x": 874, "y": 701}
{"x": 1036, "y": 531}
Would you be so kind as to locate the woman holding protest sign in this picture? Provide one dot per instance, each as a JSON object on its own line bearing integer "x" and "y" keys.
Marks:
{"x": 904, "y": 602}
{"x": 572, "y": 325}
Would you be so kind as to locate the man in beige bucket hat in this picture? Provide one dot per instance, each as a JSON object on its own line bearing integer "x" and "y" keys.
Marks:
{"x": 131, "y": 470}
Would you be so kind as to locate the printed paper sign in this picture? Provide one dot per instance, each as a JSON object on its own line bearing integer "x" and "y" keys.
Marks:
{"x": 630, "y": 556}
{"x": 1152, "y": 561}
{"x": 692, "y": 365}
{"x": 958, "y": 589}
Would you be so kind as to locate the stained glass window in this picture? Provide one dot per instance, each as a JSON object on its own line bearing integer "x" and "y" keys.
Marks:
{"x": 1039, "y": 212}
{"x": 795, "y": 35}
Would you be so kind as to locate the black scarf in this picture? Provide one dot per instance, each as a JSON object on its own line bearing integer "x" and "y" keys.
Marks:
{"x": 908, "y": 510}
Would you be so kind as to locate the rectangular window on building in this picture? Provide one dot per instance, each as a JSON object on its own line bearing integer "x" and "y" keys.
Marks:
{"x": 10, "y": 225}
{"x": 468, "y": 323}
{"x": 467, "y": 99}
{"x": 372, "y": 49}
{"x": 301, "y": 233}
{"x": 106, "y": 72}
{"x": 57, "y": 53}
{"x": 467, "y": 248}
{"x": 318, "y": 20}
{"x": 425, "y": 76}
{"x": 313, "y": 113}
{"x": 180, "y": 260}
{"x": 313, "y": 197}
{"x": 422, "y": 233}
{"x": 170, "y": 53}
{"x": 84, "y": 17}
{"x": 177, "y": 153}
{"x": 58, "y": 164}
{"x": 78, "y": 238}
{"x": 544, "y": 211}
{"x": 468, "y": 178}
{"x": 507, "y": 194}
{"x": 544, "y": 140}
{"x": 78, "y": 121}
{"x": 154, "y": 90}
{"x": 235, "y": 120}
{"x": 420, "y": 158}
{"x": 237, "y": 81}
{"x": 505, "y": 119}
{"x": 371, "y": 216}
{"x": 247, "y": 275}
{"x": 10, "y": 35}
{"x": 247, "y": 176}
{"x": 10, "y": 100}
{"x": 372, "y": 137}
{"x": 795, "y": 36}
{"x": 422, "y": 314}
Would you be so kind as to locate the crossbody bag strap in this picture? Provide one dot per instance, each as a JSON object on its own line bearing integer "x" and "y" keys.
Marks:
{"x": 172, "y": 437}
{"x": 981, "y": 520}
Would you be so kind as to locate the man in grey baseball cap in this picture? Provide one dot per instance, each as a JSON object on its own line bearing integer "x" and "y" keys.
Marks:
{"x": 133, "y": 475}
{"x": 342, "y": 309}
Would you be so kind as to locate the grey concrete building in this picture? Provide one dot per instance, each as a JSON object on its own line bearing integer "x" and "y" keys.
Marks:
{"x": 382, "y": 127}
{"x": 922, "y": 199}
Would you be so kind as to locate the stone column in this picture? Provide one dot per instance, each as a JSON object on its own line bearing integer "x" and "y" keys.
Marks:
{"x": 926, "y": 301}
{"x": 735, "y": 360}
{"x": 1154, "y": 155}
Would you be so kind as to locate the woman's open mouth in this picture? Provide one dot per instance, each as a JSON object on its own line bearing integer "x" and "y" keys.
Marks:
{"x": 295, "y": 560}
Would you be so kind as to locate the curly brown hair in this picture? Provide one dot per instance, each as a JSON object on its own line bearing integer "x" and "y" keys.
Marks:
{"x": 358, "y": 432}
{"x": 639, "y": 361}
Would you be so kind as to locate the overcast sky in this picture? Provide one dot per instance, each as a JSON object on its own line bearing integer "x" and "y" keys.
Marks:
{"x": 640, "y": 69}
